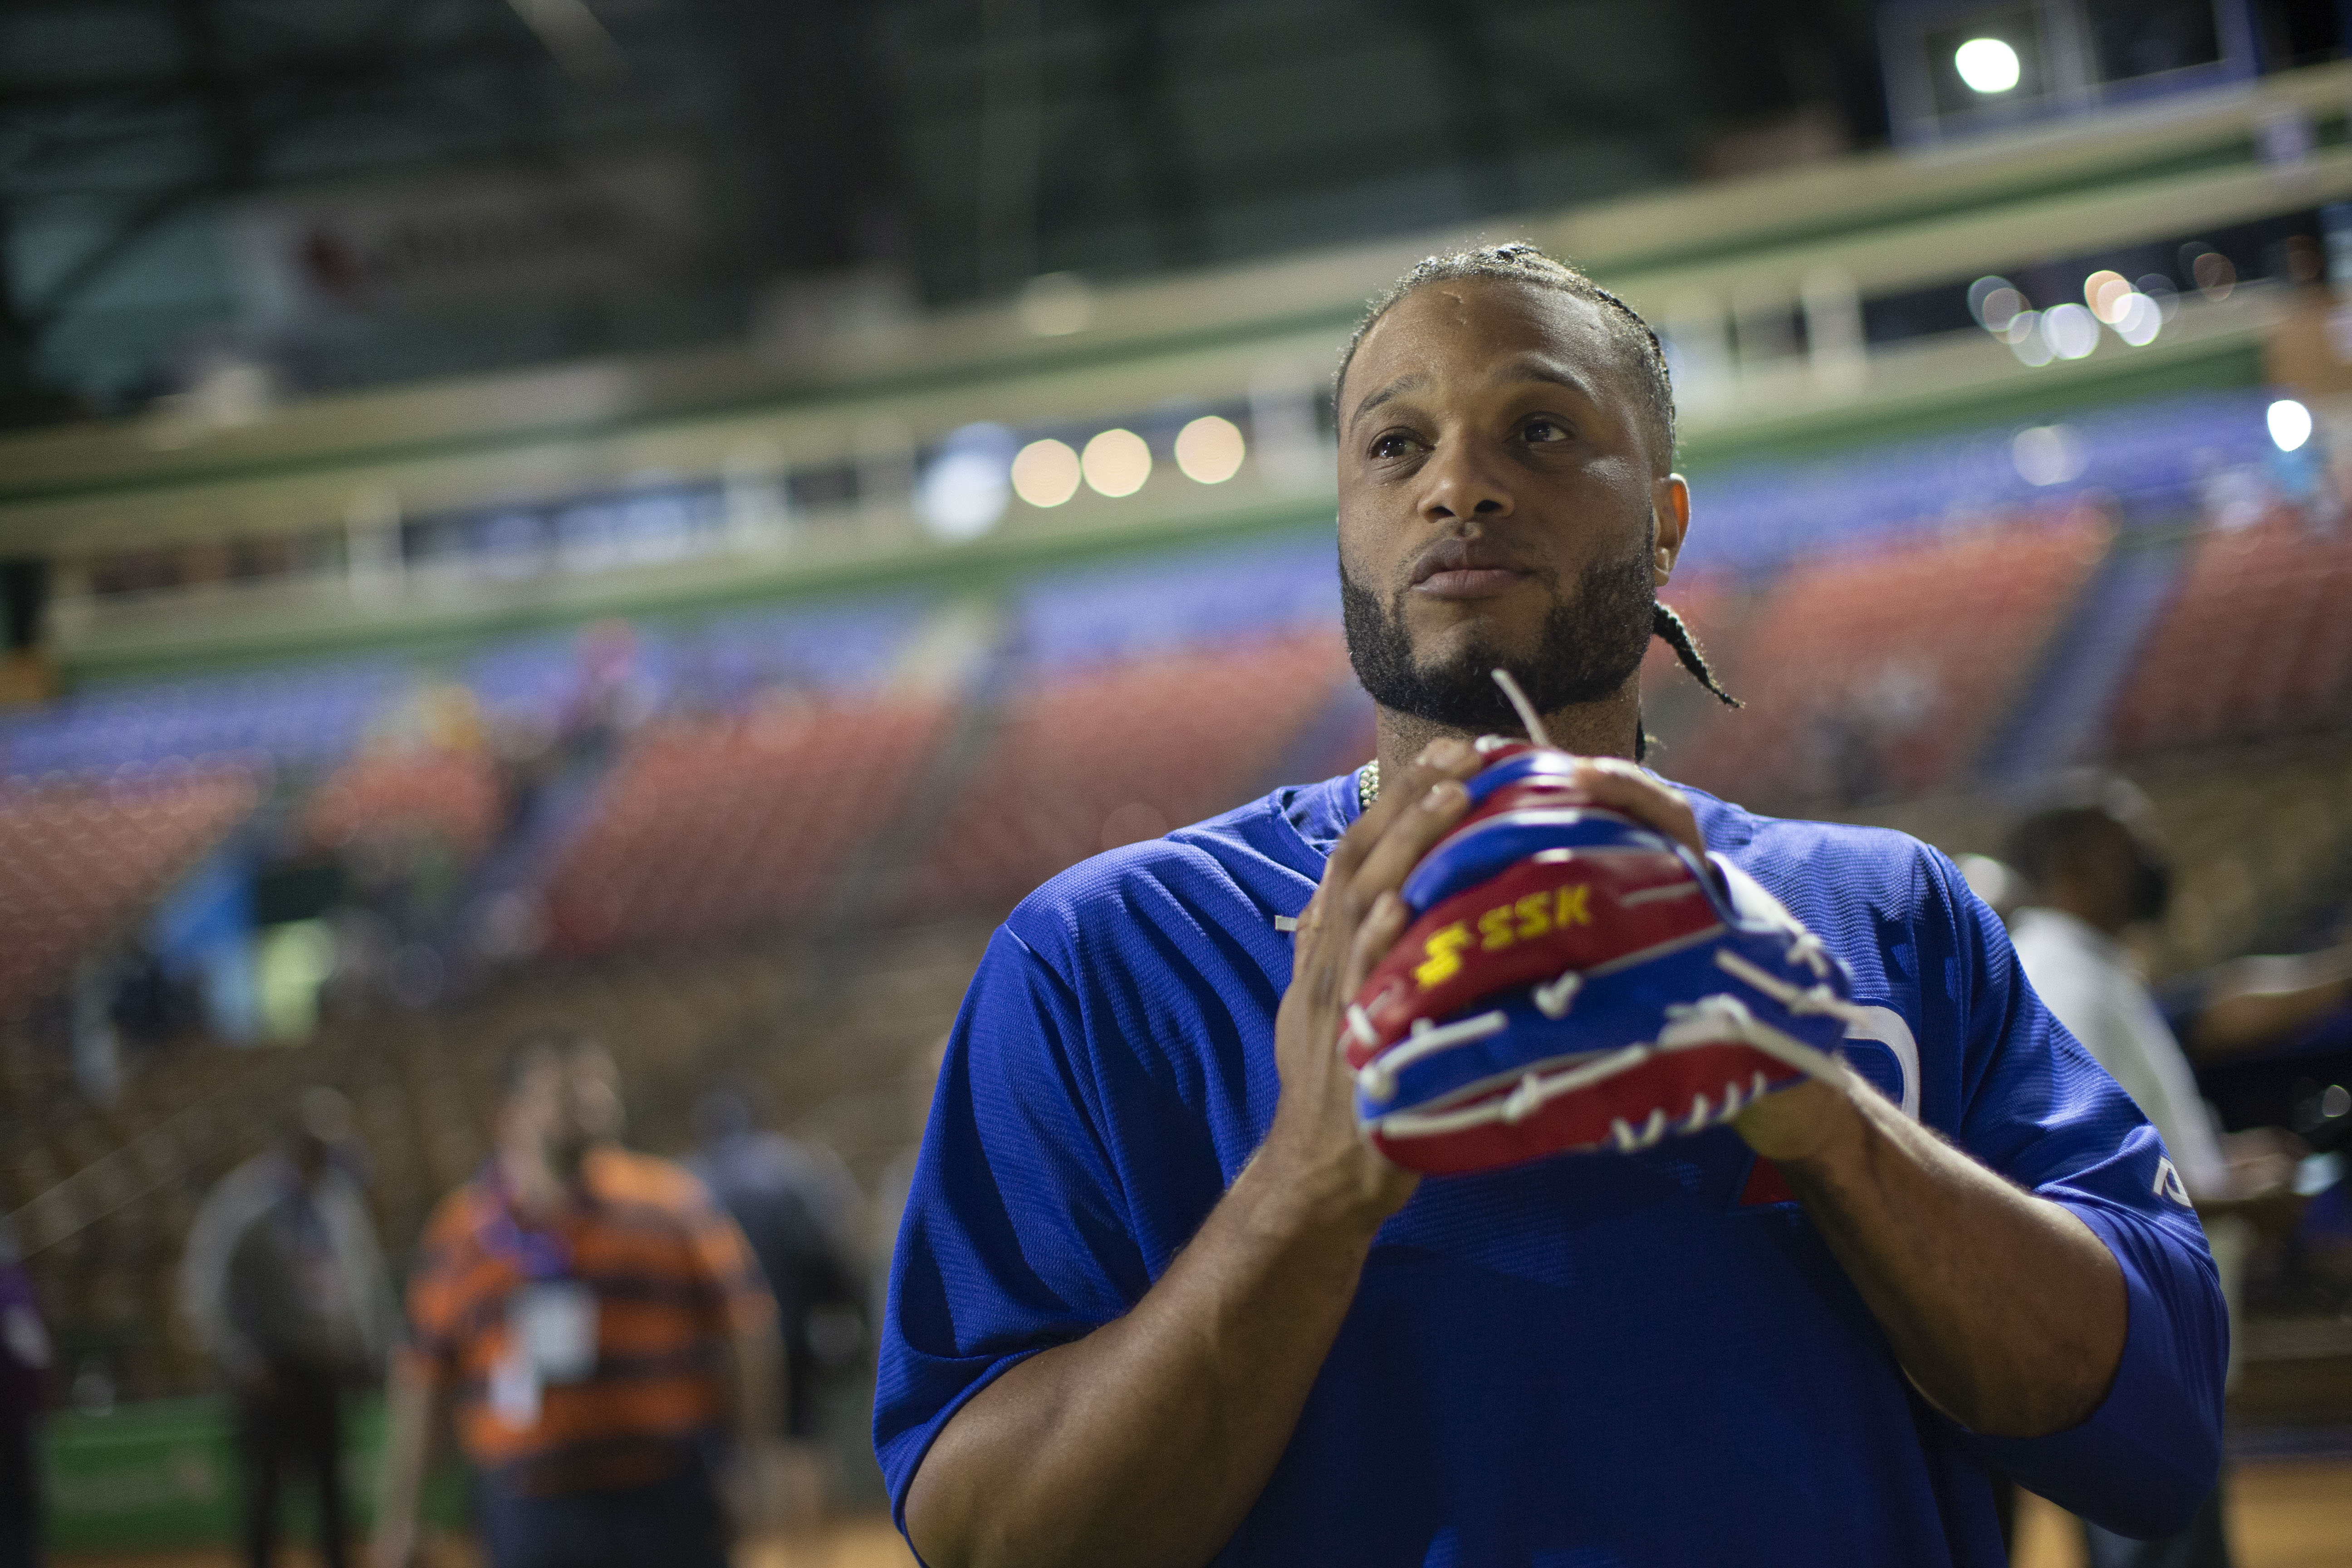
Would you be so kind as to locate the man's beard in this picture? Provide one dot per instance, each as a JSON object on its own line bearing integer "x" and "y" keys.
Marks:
{"x": 1588, "y": 648}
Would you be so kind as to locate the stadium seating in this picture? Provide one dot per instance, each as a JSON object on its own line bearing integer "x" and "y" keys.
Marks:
{"x": 2257, "y": 643}
{"x": 308, "y": 716}
{"x": 1168, "y": 603}
{"x": 783, "y": 878}
{"x": 1123, "y": 753}
{"x": 1714, "y": 606}
{"x": 453, "y": 795}
{"x": 1881, "y": 674}
{"x": 79, "y": 863}
{"x": 719, "y": 664}
{"x": 708, "y": 828}
{"x": 2148, "y": 459}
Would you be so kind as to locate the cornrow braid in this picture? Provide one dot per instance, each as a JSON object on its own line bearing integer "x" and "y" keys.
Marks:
{"x": 1519, "y": 262}
{"x": 1666, "y": 625}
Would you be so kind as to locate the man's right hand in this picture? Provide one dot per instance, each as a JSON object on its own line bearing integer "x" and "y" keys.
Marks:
{"x": 1313, "y": 1146}
{"x": 1146, "y": 1441}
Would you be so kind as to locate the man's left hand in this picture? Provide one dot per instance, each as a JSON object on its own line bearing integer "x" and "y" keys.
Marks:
{"x": 1800, "y": 1123}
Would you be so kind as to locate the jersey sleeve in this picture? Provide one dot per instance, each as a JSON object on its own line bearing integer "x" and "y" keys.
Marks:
{"x": 1016, "y": 1236}
{"x": 2040, "y": 1112}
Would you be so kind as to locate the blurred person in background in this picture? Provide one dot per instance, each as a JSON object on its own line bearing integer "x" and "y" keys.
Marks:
{"x": 286, "y": 1286}
{"x": 593, "y": 1321}
{"x": 798, "y": 1206}
{"x": 24, "y": 1366}
{"x": 2095, "y": 868}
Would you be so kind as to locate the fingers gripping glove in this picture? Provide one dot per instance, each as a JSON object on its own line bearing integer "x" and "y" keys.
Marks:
{"x": 1572, "y": 979}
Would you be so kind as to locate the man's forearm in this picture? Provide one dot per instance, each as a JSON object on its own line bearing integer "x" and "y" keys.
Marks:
{"x": 2256, "y": 1002}
{"x": 1147, "y": 1441}
{"x": 2005, "y": 1309}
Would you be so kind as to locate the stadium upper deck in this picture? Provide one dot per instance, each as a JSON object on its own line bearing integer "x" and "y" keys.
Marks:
{"x": 1808, "y": 309}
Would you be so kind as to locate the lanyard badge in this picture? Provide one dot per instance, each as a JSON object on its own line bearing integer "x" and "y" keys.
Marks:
{"x": 551, "y": 1321}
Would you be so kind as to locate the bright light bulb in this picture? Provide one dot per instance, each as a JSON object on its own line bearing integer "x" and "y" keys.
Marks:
{"x": 1210, "y": 449}
{"x": 1986, "y": 65}
{"x": 1117, "y": 462}
{"x": 1046, "y": 473}
{"x": 2290, "y": 423}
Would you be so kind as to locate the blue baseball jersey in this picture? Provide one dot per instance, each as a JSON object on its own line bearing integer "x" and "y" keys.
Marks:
{"x": 1592, "y": 1360}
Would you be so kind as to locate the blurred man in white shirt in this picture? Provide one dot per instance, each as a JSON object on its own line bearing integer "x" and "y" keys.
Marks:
{"x": 2095, "y": 868}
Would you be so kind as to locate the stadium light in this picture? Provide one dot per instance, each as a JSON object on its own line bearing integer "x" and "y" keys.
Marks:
{"x": 1117, "y": 462}
{"x": 1210, "y": 449}
{"x": 2290, "y": 423}
{"x": 1046, "y": 473}
{"x": 1986, "y": 65}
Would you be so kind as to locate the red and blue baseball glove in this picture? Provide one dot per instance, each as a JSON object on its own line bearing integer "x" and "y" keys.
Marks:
{"x": 1572, "y": 979}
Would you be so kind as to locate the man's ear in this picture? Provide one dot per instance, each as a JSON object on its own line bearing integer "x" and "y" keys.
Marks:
{"x": 1670, "y": 509}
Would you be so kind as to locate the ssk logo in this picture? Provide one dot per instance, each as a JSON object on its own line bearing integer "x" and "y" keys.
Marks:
{"x": 1500, "y": 927}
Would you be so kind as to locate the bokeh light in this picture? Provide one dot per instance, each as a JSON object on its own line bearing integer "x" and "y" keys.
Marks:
{"x": 2215, "y": 274}
{"x": 2025, "y": 338}
{"x": 2290, "y": 423}
{"x": 1210, "y": 449}
{"x": 1046, "y": 473}
{"x": 2138, "y": 321}
{"x": 2105, "y": 292}
{"x": 1117, "y": 462}
{"x": 1986, "y": 65}
{"x": 2047, "y": 455}
{"x": 2071, "y": 331}
{"x": 1995, "y": 302}
{"x": 962, "y": 493}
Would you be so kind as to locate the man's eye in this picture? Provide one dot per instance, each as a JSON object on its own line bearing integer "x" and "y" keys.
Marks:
{"x": 1392, "y": 447}
{"x": 1545, "y": 430}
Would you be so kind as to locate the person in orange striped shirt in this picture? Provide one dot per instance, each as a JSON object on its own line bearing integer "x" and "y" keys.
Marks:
{"x": 593, "y": 1322}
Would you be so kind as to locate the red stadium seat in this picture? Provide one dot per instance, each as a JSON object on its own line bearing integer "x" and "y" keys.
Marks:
{"x": 79, "y": 863}
{"x": 708, "y": 828}
{"x": 453, "y": 795}
{"x": 2257, "y": 643}
{"x": 1125, "y": 752}
{"x": 1882, "y": 674}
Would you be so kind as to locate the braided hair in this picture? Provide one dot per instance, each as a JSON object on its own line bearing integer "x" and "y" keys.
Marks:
{"x": 1519, "y": 262}
{"x": 1671, "y": 629}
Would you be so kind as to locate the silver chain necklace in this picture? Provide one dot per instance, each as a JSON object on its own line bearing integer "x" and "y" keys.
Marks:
{"x": 1367, "y": 786}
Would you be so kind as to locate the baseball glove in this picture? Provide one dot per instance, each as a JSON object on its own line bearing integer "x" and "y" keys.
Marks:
{"x": 1572, "y": 979}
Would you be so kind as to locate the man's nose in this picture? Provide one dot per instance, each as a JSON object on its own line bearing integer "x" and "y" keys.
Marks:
{"x": 1463, "y": 482}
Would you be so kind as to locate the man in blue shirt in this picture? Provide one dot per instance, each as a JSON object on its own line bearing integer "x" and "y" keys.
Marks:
{"x": 1155, "y": 1300}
